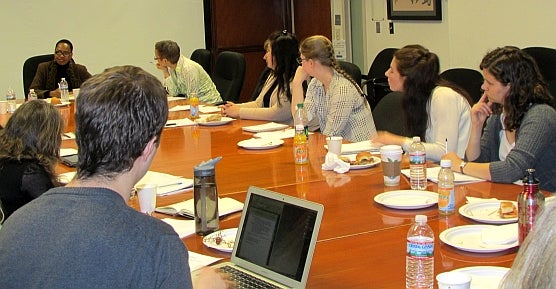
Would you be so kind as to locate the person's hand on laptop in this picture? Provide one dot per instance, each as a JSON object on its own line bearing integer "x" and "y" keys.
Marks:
{"x": 211, "y": 278}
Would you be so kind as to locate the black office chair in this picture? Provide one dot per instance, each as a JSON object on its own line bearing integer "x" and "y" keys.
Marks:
{"x": 388, "y": 114}
{"x": 375, "y": 80}
{"x": 203, "y": 57}
{"x": 228, "y": 74}
{"x": 30, "y": 69}
{"x": 546, "y": 60}
{"x": 468, "y": 79}
{"x": 352, "y": 70}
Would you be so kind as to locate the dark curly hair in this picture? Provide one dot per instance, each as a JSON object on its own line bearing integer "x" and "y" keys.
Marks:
{"x": 511, "y": 65}
{"x": 421, "y": 69}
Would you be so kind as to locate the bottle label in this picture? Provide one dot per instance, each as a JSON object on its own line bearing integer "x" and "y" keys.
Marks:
{"x": 420, "y": 247}
{"x": 446, "y": 198}
{"x": 417, "y": 159}
{"x": 301, "y": 152}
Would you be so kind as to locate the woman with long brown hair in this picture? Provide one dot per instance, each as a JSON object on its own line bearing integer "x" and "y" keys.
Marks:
{"x": 29, "y": 151}
{"x": 333, "y": 97}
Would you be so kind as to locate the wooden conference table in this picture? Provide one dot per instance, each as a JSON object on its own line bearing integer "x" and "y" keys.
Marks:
{"x": 361, "y": 243}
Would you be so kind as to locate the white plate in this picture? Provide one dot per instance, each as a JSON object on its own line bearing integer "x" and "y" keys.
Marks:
{"x": 484, "y": 277}
{"x": 469, "y": 238}
{"x": 407, "y": 199}
{"x": 227, "y": 238}
{"x": 203, "y": 121}
{"x": 485, "y": 212}
{"x": 260, "y": 143}
{"x": 374, "y": 161}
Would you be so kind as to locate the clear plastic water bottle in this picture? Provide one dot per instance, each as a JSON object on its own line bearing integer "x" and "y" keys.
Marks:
{"x": 10, "y": 97}
{"x": 530, "y": 203}
{"x": 417, "y": 165}
{"x": 446, "y": 195}
{"x": 32, "y": 95}
{"x": 301, "y": 119}
{"x": 64, "y": 91}
{"x": 419, "y": 261}
{"x": 193, "y": 106}
{"x": 300, "y": 146}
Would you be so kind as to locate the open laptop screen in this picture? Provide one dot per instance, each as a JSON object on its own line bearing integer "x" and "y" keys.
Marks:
{"x": 276, "y": 236}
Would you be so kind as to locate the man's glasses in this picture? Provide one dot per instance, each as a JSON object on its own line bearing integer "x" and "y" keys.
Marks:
{"x": 62, "y": 53}
{"x": 300, "y": 60}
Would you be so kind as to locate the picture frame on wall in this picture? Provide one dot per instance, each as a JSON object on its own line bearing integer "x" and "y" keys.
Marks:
{"x": 414, "y": 9}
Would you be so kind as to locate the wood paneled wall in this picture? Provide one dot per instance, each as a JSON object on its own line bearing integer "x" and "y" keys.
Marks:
{"x": 243, "y": 25}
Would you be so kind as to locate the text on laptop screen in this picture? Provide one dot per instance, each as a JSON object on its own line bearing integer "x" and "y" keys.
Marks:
{"x": 271, "y": 237}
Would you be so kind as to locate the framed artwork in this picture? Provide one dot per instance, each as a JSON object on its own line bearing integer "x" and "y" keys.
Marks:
{"x": 414, "y": 9}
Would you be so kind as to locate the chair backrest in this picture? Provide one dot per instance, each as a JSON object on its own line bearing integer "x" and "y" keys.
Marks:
{"x": 381, "y": 63}
{"x": 376, "y": 81}
{"x": 468, "y": 79}
{"x": 30, "y": 69}
{"x": 546, "y": 60}
{"x": 203, "y": 57}
{"x": 388, "y": 114}
{"x": 351, "y": 69}
{"x": 228, "y": 74}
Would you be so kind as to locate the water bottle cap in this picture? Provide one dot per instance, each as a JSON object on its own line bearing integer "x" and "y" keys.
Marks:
{"x": 32, "y": 90}
{"x": 446, "y": 163}
{"x": 529, "y": 177}
{"x": 300, "y": 105}
{"x": 206, "y": 168}
{"x": 420, "y": 218}
{"x": 416, "y": 139}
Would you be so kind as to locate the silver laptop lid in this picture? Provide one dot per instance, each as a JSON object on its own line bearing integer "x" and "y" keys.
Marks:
{"x": 277, "y": 235}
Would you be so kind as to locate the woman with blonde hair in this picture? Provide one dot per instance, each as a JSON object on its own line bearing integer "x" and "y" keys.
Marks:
{"x": 333, "y": 97}
{"x": 29, "y": 151}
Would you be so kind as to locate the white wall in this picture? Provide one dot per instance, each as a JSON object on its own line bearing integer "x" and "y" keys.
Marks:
{"x": 104, "y": 33}
{"x": 469, "y": 29}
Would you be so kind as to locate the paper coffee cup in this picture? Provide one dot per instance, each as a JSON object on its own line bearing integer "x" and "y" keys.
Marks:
{"x": 391, "y": 157}
{"x": 334, "y": 144}
{"x": 453, "y": 280}
{"x": 147, "y": 198}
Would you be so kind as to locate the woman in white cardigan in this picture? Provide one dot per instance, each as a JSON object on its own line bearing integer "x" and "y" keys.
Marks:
{"x": 273, "y": 102}
{"x": 434, "y": 109}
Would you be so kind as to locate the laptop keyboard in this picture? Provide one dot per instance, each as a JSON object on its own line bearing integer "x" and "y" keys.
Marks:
{"x": 244, "y": 280}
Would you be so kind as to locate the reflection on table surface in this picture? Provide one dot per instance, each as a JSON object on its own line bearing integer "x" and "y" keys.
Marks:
{"x": 361, "y": 243}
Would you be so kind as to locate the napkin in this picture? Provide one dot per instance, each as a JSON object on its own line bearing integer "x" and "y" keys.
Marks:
{"x": 333, "y": 163}
{"x": 353, "y": 148}
{"x": 432, "y": 175}
{"x": 167, "y": 184}
{"x": 179, "y": 122}
{"x": 183, "y": 228}
{"x": 186, "y": 209}
{"x": 209, "y": 108}
{"x": 179, "y": 107}
{"x": 500, "y": 235}
{"x": 67, "y": 152}
{"x": 270, "y": 126}
{"x": 471, "y": 200}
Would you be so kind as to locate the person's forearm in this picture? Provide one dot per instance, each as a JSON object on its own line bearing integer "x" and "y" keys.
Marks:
{"x": 474, "y": 145}
{"x": 479, "y": 170}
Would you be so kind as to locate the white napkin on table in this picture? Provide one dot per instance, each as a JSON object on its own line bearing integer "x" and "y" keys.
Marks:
{"x": 333, "y": 163}
{"x": 471, "y": 200}
{"x": 500, "y": 235}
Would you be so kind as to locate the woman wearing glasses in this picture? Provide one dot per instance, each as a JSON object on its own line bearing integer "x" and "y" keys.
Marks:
{"x": 273, "y": 101}
{"x": 333, "y": 97}
{"x": 29, "y": 151}
{"x": 49, "y": 74}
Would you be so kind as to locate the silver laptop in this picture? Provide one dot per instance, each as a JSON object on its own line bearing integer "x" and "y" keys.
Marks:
{"x": 276, "y": 238}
